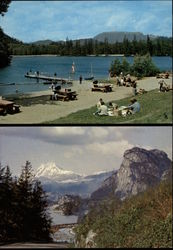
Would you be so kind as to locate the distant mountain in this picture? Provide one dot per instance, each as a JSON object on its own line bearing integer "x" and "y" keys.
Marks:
{"x": 139, "y": 170}
{"x": 111, "y": 37}
{"x": 42, "y": 42}
{"x": 57, "y": 181}
{"x": 115, "y": 36}
{"x": 51, "y": 172}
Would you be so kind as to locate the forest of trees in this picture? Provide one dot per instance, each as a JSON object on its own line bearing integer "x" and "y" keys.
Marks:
{"x": 23, "y": 207}
{"x": 5, "y": 57}
{"x": 142, "y": 66}
{"x": 158, "y": 47}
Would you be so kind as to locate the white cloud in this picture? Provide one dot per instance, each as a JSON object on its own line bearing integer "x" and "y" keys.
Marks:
{"x": 115, "y": 148}
{"x": 98, "y": 132}
{"x": 76, "y": 19}
{"x": 73, "y": 152}
{"x": 64, "y": 131}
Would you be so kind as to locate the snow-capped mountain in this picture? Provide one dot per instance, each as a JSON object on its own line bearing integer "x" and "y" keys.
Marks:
{"x": 51, "y": 172}
{"x": 57, "y": 181}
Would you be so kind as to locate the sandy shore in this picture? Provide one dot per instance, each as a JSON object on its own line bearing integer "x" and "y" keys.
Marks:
{"x": 40, "y": 113}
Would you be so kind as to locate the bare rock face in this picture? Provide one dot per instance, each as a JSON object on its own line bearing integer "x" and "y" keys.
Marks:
{"x": 139, "y": 170}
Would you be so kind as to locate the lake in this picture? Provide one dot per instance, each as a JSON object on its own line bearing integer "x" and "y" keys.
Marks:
{"x": 58, "y": 218}
{"x": 62, "y": 67}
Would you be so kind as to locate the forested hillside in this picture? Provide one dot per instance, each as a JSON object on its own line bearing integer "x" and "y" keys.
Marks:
{"x": 5, "y": 57}
{"x": 158, "y": 47}
{"x": 142, "y": 221}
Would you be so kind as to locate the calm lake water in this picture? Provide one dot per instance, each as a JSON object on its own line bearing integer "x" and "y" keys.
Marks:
{"x": 62, "y": 67}
{"x": 57, "y": 218}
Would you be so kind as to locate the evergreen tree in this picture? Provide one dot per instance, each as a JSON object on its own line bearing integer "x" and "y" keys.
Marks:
{"x": 25, "y": 184}
{"x": 23, "y": 207}
{"x": 4, "y": 4}
{"x": 7, "y": 203}
{"x": 40, "y": 219}
{"x": 149, "y": 46}
{"x": 6, "y": 211}
{"x": 5, "y": 57}
{"x": 1, "y": 202}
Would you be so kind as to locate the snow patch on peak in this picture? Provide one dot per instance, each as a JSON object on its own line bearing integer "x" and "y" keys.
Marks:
{"x": 51, "y": 171}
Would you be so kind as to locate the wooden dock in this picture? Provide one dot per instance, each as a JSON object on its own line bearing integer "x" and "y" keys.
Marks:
{"x": 47, "y": 78}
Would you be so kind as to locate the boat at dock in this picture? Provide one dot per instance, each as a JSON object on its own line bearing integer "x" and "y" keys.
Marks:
{"x": 49, "y": 79}
{"x": 91, "y": 77}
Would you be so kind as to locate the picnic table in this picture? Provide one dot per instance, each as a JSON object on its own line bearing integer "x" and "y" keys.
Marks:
{"x": 102, "y": 87}
{"x": 8, "y": 107}
{"x": 163, "y": 75}
{"x": 65, "y": 95}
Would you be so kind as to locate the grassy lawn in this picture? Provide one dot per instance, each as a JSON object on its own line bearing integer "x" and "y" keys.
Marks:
{"x": 156, "y": 107}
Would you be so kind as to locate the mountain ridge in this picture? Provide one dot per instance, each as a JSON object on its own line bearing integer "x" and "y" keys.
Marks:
{"x": 56, "y": 181}
{"x": 139, "y": 170}
{"x": 110, "y": 36}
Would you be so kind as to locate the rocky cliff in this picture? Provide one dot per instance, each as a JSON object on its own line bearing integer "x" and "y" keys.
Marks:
{"x": 139, "y": 170}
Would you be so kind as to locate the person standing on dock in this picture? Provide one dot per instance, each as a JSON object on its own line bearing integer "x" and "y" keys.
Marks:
{"x": 80, "y": 79}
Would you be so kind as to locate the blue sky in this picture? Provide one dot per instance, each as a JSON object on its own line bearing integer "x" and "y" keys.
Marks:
{"x": 38, "y": 20}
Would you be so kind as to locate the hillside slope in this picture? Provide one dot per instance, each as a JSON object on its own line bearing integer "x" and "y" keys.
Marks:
{"x": 142, "y": 221}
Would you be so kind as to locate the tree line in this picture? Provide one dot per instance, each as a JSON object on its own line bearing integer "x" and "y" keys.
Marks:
{"x": 157, "y": 47}
{"x": 5, "y": 57}
{"x": 142, "y": 66}
{"x": 23, "y": 207}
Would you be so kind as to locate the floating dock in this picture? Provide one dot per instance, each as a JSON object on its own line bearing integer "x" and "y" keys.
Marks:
{"x": 47, "y": 78}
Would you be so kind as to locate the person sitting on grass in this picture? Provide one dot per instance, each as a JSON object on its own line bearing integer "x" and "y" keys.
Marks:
{"x": 103, "y": 109}
{"x": 98, "y": 106}
{"x": 110, "y": 106}
{"x": 163, "y": 86}
{"x": 113, "y": 109}
{"x": 134, "y": 107}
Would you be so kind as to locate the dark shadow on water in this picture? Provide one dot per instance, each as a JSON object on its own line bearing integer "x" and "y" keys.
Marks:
{"x": 28, "y": 101}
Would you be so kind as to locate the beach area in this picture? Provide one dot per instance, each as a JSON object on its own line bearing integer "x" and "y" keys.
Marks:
{"x": 36, "y": 107}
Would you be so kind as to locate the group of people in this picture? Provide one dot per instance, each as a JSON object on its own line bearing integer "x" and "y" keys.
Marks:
{"x": 127, "y": 82}
{"x": 163, "y": 86}
{"x": 114, "y": 110}
{"x": 124, "y": 80}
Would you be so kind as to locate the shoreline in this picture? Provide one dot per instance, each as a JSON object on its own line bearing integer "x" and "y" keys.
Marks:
{"x": 44, "y": 110}
{"x": 53, "y": 55}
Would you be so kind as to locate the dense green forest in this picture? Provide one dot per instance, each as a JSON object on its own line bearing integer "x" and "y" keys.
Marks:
{"x": 5, "y": 57}
{"x": 23, "y": 207}
{"x": 158, "y": 47}
{"x": 143, "y": 221}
